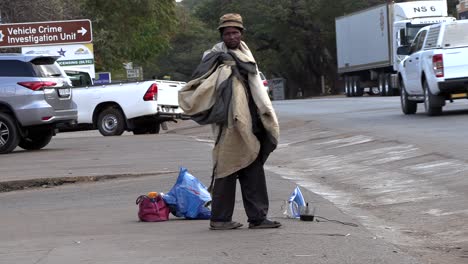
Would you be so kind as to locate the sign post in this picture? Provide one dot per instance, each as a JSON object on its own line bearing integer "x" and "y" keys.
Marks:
{"x": 45, "y": 33}
{"x": 103, "y": 78}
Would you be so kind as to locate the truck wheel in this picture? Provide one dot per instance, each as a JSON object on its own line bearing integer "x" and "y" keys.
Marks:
{"x": 350, "y": 86}
{"x": 408, "y": 107}
{"x": 381, "y": 84}
{"x": 9, "y": 136}
{"x": 388, "y": 85}
{"x": 432, "y": 103}
{"x": 374, "y": 91}
{"x": 36, "y": 140}
{"x": 357, "y": 90}
{"x": 347, "y": 86}
{"x": 111, "y": 122}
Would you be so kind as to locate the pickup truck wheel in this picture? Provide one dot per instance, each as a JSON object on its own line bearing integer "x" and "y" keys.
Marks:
{"x": 111, "y": 122}
{"x": 408, "y": 107}
{"x": 139, "y": 131}
{"x": 35, "y": 141}
{"x": 147, "y": 129}
{"x": 155, "y": 128}
{"x": 9, "y": 136}
{"x": 432, "y": 103}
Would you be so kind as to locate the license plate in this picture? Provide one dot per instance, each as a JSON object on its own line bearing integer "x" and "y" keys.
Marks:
{"x": 64, "y": 92}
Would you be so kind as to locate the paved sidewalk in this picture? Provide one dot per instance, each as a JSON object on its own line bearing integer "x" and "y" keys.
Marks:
{"x": 88, "y": 156}
{"x": 97, "y": 222}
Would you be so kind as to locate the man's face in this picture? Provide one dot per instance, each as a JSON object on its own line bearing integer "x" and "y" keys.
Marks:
{"x": 232, "y": 37}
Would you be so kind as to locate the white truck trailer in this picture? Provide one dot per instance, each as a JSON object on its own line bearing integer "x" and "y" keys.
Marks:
{"x": 367, "y": 41}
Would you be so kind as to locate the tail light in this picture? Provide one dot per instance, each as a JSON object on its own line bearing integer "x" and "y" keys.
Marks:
{"x": 438, "y": 65}
{"x": 265, "y": 83}
{"x": 37, "y": 85}
{"x": 152, "y": 93}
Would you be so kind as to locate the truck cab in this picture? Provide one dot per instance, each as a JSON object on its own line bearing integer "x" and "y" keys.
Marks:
{"x": 367, "y": 42}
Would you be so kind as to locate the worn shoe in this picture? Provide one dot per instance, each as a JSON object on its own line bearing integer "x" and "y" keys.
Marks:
{"x": 224, "y": 225}
{"x": 265, "y": 224}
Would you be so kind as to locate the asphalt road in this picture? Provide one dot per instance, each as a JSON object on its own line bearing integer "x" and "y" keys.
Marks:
{"x": 401, "y": 178}
{"x": 404, "y": 177}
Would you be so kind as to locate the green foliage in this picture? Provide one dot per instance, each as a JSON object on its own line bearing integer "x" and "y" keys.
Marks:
{"x": 284, "y": 37}
{"x": 291, "y": 39}
{"x": 452, "y": 7}
{"x": 187, "y": 46}
{"x": 129, "y": 30}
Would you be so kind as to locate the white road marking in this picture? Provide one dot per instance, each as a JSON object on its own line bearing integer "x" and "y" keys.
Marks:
{"x": 349, "y": 141}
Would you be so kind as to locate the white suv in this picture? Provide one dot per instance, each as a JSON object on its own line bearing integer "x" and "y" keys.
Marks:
{"x": 35, "y": 97}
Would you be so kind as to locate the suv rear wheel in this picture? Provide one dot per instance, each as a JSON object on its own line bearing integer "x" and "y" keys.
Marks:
{"x": 36, "y": 139}
{"x": 9, "y": 136}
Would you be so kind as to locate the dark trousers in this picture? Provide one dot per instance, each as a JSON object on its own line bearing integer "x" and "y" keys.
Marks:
{"x": 254, "y": 194}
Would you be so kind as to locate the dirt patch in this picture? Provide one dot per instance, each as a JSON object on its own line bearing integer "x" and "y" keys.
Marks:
{"x": 52, "y": 182}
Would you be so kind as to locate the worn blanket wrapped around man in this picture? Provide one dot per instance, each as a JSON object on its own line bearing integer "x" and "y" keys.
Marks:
{"x": 218, "y": 95}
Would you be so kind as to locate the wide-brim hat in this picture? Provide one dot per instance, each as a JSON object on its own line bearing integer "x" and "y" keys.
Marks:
{"x": 230, "y": 20}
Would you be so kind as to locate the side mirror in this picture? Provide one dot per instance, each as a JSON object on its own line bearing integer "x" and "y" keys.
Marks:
{"x": 403, "y": 50}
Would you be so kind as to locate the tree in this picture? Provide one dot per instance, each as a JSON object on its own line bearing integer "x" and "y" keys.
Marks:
{"x": 129, "y": 30}
{"x": 187, "y": 45}
{"x": 284, "y": 37}
{"x": 40, "y": 10}
{"x": 452, "y": 7}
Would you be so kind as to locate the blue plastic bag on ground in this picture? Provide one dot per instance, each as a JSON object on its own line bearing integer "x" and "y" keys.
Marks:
{"x": 188, "y": 197}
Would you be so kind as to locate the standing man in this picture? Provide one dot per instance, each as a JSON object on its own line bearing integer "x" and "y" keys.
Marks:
{"x": 227, "y": 92}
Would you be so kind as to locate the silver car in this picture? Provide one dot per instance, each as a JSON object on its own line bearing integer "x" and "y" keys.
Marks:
{"x": 35, "y": 97}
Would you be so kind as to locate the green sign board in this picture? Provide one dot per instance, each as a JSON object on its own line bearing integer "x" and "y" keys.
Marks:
{"x": 75, "y": 62}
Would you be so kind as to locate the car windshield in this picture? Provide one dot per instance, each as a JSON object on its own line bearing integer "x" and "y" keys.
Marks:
{"x": 456, "y": 35}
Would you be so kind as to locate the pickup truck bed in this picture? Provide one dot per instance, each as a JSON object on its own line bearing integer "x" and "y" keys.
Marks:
{"x": 139, "y": 107}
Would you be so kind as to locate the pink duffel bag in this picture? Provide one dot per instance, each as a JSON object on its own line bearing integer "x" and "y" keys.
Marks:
{"x": 152, "y": 209}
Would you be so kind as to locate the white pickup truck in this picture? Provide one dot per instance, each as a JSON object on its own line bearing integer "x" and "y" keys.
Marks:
{"x": 140, "y": 107}
{"x": 436, "y": 67}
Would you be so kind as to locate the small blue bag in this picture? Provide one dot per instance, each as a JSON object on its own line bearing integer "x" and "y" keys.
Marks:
{"x": 188, "y": 197}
